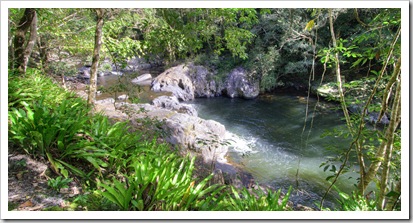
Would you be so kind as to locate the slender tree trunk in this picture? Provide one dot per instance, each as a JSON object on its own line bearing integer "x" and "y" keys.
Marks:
{"x": 96, "y": 55}
{"x": 389, "y": 137}
{"x": 43, "y": 50}
{"x": 10, "y": 45}
{"x": 23, "y": 50}
{"x": 389, "y": 149}
{"x": 342, "y": 100}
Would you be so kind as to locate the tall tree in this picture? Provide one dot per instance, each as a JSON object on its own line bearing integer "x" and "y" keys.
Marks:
{"x": 23, "y": 47}
{"x": 96, "y": 55}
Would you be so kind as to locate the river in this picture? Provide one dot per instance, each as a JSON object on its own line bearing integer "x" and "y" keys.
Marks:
{"x": 269, "y": 142}
{"x": 272, "y": 146}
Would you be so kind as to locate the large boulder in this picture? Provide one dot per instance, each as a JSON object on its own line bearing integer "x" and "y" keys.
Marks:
{"x": 187, "y": 81}
{"x": 239, "y": 84}
{"x": 175, "y": 80}
{"x": 201, "y": 136}
{"x": 191, "y": 134}
{"x": 204, "y": 83}
{"x": 84, "y": 72}
{"x": 172, "y": 103}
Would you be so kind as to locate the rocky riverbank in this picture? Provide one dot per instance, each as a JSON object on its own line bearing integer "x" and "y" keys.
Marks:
{"x": 189, "y": 134}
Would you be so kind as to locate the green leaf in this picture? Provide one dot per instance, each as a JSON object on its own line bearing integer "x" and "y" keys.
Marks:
{"x": 393, "y": 194}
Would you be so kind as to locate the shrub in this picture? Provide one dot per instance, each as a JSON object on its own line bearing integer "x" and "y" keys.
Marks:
{"x": 257, "y": 200}
{"x": 356, "y": 202}
{"x": 31, "y": 87}
{"x": 161, "y": 183}
{"x": 59, "y": 183}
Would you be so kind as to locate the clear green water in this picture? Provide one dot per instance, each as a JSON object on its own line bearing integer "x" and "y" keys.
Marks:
{"x": 271, "y": 145}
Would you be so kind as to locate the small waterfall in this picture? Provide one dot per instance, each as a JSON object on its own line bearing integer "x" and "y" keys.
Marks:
{"x": 240, "y": 144}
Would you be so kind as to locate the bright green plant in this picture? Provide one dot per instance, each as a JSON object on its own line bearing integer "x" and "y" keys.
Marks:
{"x": 51, "y": 129}
{"x": 59, "y": 183}
{"x": 356, "y": 202}
{"x": 93, "y": 201}
{"x": 40, "y": 129}
{"x": 162, "y": 183}
{"x": 258, "y": 200}
{"x": 33, "y": 86}
{"x": 119, "y": 194}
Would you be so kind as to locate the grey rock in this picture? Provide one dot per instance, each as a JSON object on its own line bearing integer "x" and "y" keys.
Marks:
{"x": 239, "y": 84}
{"x": 199, "y": 135}
{"x": 84, "y": 73}
{"x": 327, "y": 90}
{"x": 204, "y": 83}
{"x": 144, "y": 79}
{"x": 187, "y": 81}
{"x": 105, "y": 101}
{"x": 172, "y": 103}
{"x": 371, "y": 117}
{"x": 374, "y": 116}
{"x": 123, "y": 97}
{"x": 175, "y": 80}
{"x": 189, "y": 133}
{"x": 117, "y": 73}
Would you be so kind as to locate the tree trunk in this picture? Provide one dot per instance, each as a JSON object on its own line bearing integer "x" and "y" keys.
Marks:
{"x": 23, "y": 50}
{"x": 389, "y": 149}
{"x": 389, "y": 137}
{"x": 343, "y": 102}
{"x": 10, "y": 45}
{"x": 44, "y": 51}
{"x": 95, "y": 60}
